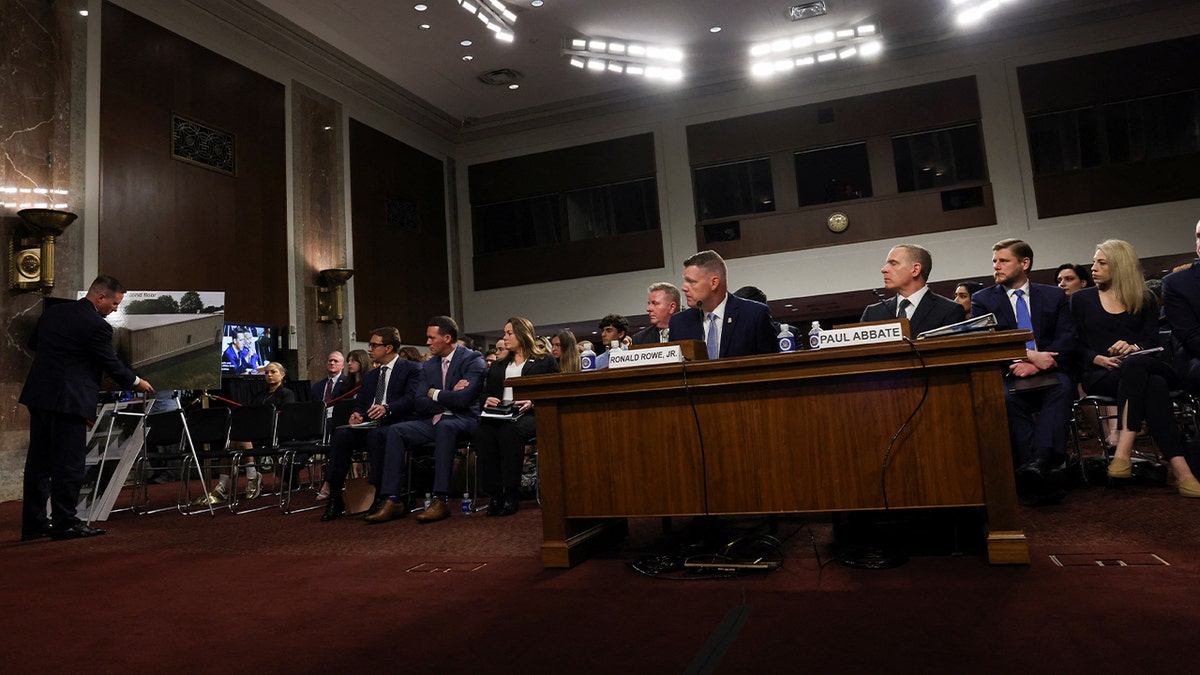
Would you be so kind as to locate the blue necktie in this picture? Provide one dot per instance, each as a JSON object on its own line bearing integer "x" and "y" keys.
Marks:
{"x": 1023, "y": 320}
{"x": 713, "y": 347}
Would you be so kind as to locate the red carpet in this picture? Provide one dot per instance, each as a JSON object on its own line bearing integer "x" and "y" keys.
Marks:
{"x": 268, "y": 593}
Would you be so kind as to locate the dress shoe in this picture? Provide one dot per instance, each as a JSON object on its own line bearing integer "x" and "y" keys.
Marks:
{"x": 333, "y": 510}
{"x": 1189, "y": 487}
{"x": 389, "y": 511}
{"x": 437, "y": 511}
{"x": 376, "y": 505}
{"x": 254, "y": 487}
{"x": 1120, "y": 468}
{"x": 1031, "y": 477}
{"x": 76, "y": 531}
{"x": 36, "y": 534}
{"x": 495, "y": 505}
{"x": 509, "y": 507}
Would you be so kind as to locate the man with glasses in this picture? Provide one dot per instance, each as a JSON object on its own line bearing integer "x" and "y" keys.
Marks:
{"x": 386, "y": 397}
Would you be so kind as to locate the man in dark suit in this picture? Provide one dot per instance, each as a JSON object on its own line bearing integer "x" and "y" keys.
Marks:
{"x": 906, "y": 272}
{"x": 72, "y": 345}
{"x": 1181, "y": 300}
{"x": 1039, "y": 446}
{"x": 327, "y": 389}
{"x": 387, "y": 396}
{"x": 447, "y": 407}
{"x": 729, "y": 325}
{"x": 661, "y": 305}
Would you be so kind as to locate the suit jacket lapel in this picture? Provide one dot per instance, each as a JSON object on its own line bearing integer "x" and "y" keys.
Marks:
{"x": 1003, "y": 308}
{"x": 923, "y": 308}
{"x": 728, "y": 321}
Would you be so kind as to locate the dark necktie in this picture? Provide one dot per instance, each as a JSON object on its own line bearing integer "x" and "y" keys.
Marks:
{"x": 902, "y": 311}
{"x": 1023, "y": 320}
{"x": 713, "y": 347}
{"x": 328, "y": 390}
{"x": 381, "y": 386}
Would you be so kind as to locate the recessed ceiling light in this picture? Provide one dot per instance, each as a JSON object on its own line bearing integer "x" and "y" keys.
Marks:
{"x": 424, "y": 26}
{"x": 327, "y": 127}
{"x": 468, "y": 57}
{"x": 715, "y": 29}
{"x": 420, "y": 7}
{"x": 514, "y": 85}
{"x": 537, "y": 3}
{"x": 466, "y": 43}
{"x": 83, "y": 12}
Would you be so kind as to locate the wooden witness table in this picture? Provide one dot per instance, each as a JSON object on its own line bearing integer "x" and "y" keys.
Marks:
{"x": 782, "y": 433}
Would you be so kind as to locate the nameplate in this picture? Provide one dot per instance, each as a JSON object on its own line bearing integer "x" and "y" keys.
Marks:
{"x": 875, "y": 333}
{"x": 646, "y": 356}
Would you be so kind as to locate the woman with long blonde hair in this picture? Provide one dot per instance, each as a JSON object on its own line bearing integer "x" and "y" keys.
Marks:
{"x": 1115, "y": 320}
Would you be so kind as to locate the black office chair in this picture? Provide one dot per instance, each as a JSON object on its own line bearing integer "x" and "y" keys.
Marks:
{"x": 253, "y": 424}
{"x": 299, "y": 441}
{"x": 208, "y": 433}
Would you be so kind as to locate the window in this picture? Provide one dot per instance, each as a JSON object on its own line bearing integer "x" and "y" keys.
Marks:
{"x": 522, "y": 223}
{"x": 833, "y": 174}
{"x": 933, "y": 159}
{"x": 734, "y": 189}
{"x": 1064, "y": 141}
{"x": 1153, "y": 128}
{"x": 610, "y": 210}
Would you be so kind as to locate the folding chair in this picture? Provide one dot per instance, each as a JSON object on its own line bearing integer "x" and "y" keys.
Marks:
{"x": 300, "y": 437}
{"x": 253, "y": 424}
{"x": 207, "y": 431}
{"x": 161, "y": 430}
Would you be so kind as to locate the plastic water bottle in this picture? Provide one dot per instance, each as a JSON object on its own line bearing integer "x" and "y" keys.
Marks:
{"x": 466, "y": 503}
{"x": 588, "y": 359}
{"x": 814, "y": 335}
{"x": 787, "y": 341}
{"x": 428, "y": 500}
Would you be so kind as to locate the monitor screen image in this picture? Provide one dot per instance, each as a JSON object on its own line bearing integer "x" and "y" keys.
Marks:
{"x": 246, "y": 349}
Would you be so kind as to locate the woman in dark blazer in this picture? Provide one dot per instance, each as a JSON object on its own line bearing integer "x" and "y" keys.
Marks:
{"x": 1114, "y": 319}
{"x": 500, "y": 444}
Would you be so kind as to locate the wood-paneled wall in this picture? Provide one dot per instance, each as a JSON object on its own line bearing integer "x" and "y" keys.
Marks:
{"x": 166, "y": 224}
{"x": 401, "y": 276}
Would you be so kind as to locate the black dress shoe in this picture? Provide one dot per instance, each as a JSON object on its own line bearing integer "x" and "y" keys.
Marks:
{"x": 495, "y": 506}
{"x": 35, "y": 535}
{"x": 76, "y": 531}
{"x": 333, "y": 510}
{"x": 509, "y": 507}
{"x": 1031, "y": 477}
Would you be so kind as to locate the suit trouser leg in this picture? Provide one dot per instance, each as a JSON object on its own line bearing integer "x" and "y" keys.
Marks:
{"x": 447, "y": 433}
{"x": 512, "y": 451}
{"x": 1144, "y": 393}
{"x": 54, "y": 468}
{"x": 1050, "y": 429}
{"x": 399, "y": 438}
{"x": 376, "y": 443}
{"x": 341, "y": 446}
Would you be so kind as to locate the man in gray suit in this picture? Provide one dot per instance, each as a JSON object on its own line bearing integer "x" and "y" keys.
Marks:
{"x": 906, "y": 272}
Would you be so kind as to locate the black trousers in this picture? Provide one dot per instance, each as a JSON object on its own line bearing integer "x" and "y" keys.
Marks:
{"x": 54, "y": 469}
{"x": 500, "y": 452}
{"x": 1142, "y": 387}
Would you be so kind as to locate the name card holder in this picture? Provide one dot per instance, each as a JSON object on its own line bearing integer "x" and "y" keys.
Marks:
{"x": 658, "y": 354}
{"x": 870, "y": 333}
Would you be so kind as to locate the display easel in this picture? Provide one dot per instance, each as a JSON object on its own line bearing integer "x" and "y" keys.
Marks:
{"x": 116, "y": 436}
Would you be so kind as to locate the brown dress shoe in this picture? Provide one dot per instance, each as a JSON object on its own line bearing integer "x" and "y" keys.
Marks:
{"x": 437, "y": 511}
{"x": 389, "y": 511}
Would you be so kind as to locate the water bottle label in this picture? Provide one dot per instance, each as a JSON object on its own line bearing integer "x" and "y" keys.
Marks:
{"x": 588, "y": 362}
{"x": 786, "y": 344}
{"x": 814, "y": 341}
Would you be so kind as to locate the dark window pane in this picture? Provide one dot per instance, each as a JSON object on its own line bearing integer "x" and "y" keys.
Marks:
{"x": 1064, "y": 141}
{"x": 610, "y": 210}
{"x": 517, "y": 224}
{"x": 938, "y": 158}
{"x": 1153, "y": 128}
{"x": 833, "y": 174}
{"x": 734, "y": 189}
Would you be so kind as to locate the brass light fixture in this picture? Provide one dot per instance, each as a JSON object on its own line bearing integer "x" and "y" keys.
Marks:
{"x": 31, "y": 248}
{"x": 330, "y": 293}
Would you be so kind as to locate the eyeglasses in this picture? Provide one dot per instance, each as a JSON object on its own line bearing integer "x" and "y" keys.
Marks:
{"x": 372, "y": 345}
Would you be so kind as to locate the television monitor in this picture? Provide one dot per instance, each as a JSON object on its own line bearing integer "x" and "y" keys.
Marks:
{"x": 247, "y": 348}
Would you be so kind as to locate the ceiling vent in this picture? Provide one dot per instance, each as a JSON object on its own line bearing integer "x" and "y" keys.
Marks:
{"x": 500, "y": 78}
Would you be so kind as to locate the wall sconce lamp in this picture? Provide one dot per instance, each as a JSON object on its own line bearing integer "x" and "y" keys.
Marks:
{"x": 31, "y": 248}
{"x": 330, "y": 285}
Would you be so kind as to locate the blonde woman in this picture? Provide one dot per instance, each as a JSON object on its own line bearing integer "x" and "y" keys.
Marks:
{"x": 1114, "y": 320}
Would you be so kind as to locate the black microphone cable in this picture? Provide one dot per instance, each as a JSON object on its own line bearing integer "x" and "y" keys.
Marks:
{"x": 687, "y": 390}
{"x": 887, "y": 453}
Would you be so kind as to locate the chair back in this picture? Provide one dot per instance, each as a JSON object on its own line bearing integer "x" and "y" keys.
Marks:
{"x": 209, "y": 426}
{"x": 254, "y": 424}
{"x": 302, "y": 422}
{"x": 163, "y": 429}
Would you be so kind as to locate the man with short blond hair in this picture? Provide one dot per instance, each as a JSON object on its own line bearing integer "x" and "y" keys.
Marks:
{"x": 661, "y": 304}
